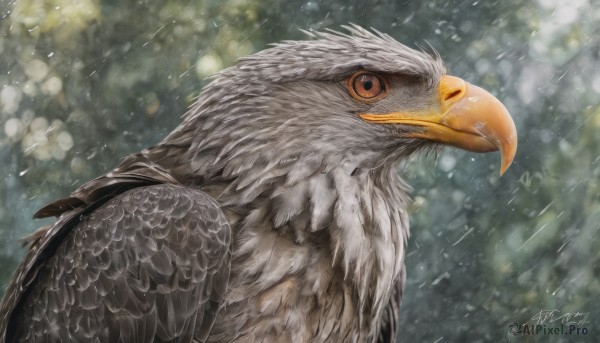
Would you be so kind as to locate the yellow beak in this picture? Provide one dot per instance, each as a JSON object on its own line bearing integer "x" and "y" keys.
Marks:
{"x": 468, "y": 117}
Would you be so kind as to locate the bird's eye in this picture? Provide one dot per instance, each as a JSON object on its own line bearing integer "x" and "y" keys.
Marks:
{"x": 366, "y": 86}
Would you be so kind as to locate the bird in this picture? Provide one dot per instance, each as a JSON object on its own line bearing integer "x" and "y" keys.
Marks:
{"x": 275, "y": 212}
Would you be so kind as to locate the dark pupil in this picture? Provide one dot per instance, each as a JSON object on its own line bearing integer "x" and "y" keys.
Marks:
{"x": 367, "y": 85}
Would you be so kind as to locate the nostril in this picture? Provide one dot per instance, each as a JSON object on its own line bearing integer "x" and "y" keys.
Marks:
{"x": 454, "y": 94}
{"x": 451, "y": 90}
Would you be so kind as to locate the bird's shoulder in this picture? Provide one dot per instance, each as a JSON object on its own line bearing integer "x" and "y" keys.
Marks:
{"x": 151, "y": 217}
{"x": 134, "y": 171}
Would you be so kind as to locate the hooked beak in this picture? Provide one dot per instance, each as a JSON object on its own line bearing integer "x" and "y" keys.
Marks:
{"x": 468, "y": 117}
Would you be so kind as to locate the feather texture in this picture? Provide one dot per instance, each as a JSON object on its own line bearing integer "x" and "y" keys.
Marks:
{"x": 273, "y": 213}
{"x": 149, "y": 265}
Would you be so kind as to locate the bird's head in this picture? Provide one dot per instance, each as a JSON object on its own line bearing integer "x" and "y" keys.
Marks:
{"x": 360, "y": 99}
{"x": 307, "y": 132}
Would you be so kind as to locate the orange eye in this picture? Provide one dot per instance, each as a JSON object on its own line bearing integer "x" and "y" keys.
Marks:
{"x": 366, "y": 86}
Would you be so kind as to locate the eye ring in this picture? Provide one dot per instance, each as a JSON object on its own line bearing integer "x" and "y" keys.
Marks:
{"x": 367, "y": 87}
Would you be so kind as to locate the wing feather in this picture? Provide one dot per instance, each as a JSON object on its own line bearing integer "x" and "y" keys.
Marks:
{"x": 151, "y": 264}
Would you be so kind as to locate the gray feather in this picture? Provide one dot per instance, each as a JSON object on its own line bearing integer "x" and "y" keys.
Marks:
{"x": 307, "y": 199}
{"x": 151, "y": 264}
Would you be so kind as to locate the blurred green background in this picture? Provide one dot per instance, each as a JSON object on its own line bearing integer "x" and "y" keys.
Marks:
{"x": 85, "y": 82}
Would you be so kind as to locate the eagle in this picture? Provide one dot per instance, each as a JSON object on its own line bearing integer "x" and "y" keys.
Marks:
{"x": 275, "y": 212}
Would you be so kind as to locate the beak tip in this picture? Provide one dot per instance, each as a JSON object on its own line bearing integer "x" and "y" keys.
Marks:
{"x": 507, "y": 154}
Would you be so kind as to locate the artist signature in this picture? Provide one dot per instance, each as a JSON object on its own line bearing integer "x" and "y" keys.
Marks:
{"x": 553, "y": 316}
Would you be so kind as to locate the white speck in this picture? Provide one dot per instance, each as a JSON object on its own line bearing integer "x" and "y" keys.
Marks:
{"x": 447, "y": 163}
{"x": 463, "y": 236}
{"x": 92, "y": 155}
{"x": 10, "y": 98}
{"x": 534, "y": 234}
{"x": 39, "y": 137}
{"x": 455, "y": 38}
{"x": 64, "y": 140}
{"x": 556, "y": 290}
{"x": 208, "y": 65}
{"x": 13, "y": 127}
{"x": 443, "y": 276}
{"x": 52, "y": 86}
{"x": 36, "y": 70}
{"x": 458, "y": 196}
{"x": 39, "y": 124}
{"x": 51, "y": 54}
{"x": 546, "y": 208}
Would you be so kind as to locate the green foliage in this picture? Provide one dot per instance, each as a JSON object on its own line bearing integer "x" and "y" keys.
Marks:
{"x": 85, "y": 82}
